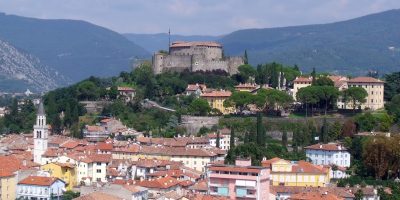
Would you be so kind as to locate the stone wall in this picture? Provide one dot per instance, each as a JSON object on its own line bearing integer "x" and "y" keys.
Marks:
{"x": 210, "y": 53}
{"x": 194, "y": 123}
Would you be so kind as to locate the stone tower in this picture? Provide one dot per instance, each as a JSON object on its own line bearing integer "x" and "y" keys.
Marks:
{"x": 40, "y": 135}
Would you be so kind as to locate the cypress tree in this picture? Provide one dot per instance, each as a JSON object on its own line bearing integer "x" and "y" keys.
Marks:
{"x": 232, "y": 139}
{"x": 260, "y": 130}
{"x": 245, "y": 59}
{"x": 284, "y": 138}
{"x": 324, "y": 131}
{"x": 313, "y": 75}
{"x": 218, "y": 140}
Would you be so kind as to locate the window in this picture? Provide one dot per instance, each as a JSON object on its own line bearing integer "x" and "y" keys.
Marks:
{"x": 372, "y": 100}
{"x": 98, "y": 170}
{"x": 98, "y": 164}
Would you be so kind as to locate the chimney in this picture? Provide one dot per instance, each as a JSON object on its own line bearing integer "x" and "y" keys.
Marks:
{"x": 320, "y": 146}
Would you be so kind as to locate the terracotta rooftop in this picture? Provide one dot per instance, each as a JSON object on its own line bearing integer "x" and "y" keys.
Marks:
{"x": 327, "y": 147}
{"x": 217, "y": 94}
{"x": 314, "y": 196}
{"x": 303, "y": 79}
{"x": 129, "y": 89}
{"x": 306, "y": 167}
{"x": 246, "y": 85}
{"x": 190, "y": 44}
{"x": 200, "y": 186}
{"x": 98, "y": 196}
{"x": 194, "y": 87}
{"x": 363, "y": 79}
{"x": 38, "y": 180}
{"x": 159, "y": 183}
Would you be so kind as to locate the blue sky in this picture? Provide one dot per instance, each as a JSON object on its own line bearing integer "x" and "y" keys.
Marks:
{"x": 196, "y": 17}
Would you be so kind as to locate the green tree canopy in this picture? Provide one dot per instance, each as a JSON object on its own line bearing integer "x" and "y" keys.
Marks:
{"x": 355, "y": 95}
{"x": 199, "y": 107}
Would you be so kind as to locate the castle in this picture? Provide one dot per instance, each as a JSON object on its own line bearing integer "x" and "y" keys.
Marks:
{"x": 195, "y": 56}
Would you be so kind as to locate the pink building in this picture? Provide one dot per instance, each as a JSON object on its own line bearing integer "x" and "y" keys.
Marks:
{"x": 240, "y": 181}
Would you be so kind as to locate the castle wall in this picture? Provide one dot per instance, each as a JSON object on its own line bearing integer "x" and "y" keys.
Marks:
{"x": 234, "y": 63}
{"x": 164, "y": 63}
{"x": 199, "y": 63}
{"x": 210, "y": 53}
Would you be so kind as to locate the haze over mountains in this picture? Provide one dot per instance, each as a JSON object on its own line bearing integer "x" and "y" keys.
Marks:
{"x": 371, "y": 42}
{"x": 75, "y": 50}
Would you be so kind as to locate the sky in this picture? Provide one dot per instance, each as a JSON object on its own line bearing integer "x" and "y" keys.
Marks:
{"x": 196, "y": 17}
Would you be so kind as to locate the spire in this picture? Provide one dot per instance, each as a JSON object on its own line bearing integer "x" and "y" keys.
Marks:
{"x": 41, "y": 108}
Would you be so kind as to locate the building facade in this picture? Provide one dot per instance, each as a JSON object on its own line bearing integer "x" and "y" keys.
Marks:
{"x": 216, "y": 100}
{"x": 195, "y": 56}
{"x": 328, "y": 154}
{"x": 38, "y": 187}
{"x": 301, "y": 173}
{"x": 374, "y": 88}
{"x": 63, "y": 171}
{"x": 239, "y": 181}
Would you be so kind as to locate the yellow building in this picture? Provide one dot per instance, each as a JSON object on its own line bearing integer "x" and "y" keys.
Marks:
{"x": 216, "y": 100}
{"x": 374, "y": 88}
{"x": 246, "y": 87}
{"x": 63, "y": 171}
{"x": 299, "y": 173}
{"x": 8, "y": 184}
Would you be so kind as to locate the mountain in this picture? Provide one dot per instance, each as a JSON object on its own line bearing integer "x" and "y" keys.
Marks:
{"x": 76, "y": 49}
{"x": 159, "y": 41}
{"x": 20, "y": 71}
{"x": 352, "y": 46}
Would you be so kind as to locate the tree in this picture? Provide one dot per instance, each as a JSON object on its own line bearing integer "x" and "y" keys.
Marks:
{"x": 335, "y": 131}
{"x": 261, "y": 134}
{"x": 232, "y": 139}
{"x": 245, "y": 58}
{"x": 308, "y": 95}
{"x": 272, "y": 99}
{"x": 324, "y": 131}
{"x": 245, "y": 72}
{"x": 313, "y": 75}
{"x": 355, "y": 95}
{"x": 284, "y": 138}
{"x": 376, "y": 155}
{"x": 366, "y": 122}
{"x": 359, "y": 195}
{"x": 327, "y": 94}
{"x": 199, "y": 107}
{"x": 218, "y": 140}
{"x": 393, "y": 107}
{"x": 349, "y": 128}
{"x": 392, "y": 85}
{"x": 324, "y": 81}
{"x": 239, "y": 99}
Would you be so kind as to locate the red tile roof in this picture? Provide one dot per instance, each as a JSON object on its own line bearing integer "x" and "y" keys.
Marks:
{"x": 217, "y": 94}
{"x": 128, "y": 89}
{"x": 38, "y": 180}
{"x": 98, "y": 196}
{"x": 327, "y": 147}
{"x": 160, "y": 183}
{"x": 194, "y": 87}
{"x": 362, "y": 79}
{"x": 190, "y": 44}
{"x": 303, "y": 79}
{"x": 70, "y": 144}
{"x": 314, "y": 196}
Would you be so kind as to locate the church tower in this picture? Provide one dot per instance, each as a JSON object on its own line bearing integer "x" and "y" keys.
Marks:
{"x": 40, "y": 135}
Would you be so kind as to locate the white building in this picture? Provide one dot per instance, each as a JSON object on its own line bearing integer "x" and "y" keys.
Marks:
{"x": 92, "y": 168}
{"x": 40, "y": 135}
{"x": 224, "y": 139}
{"x": 330, "y": 154}
{"x": 40, "y": 187}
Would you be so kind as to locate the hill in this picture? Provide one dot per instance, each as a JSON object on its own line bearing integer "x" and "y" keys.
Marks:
{"x": 350, "y": 47}
{"x": 159, "y": 41}
{"x": 76, "y": 49}
{"x": 20, "y": 71}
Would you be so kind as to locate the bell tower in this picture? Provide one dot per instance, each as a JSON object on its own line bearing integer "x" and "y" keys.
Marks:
{"x": 40, "y": 135}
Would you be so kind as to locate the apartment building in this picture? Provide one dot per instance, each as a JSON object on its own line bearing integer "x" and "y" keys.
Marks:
{"x": 239, "y": 181}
